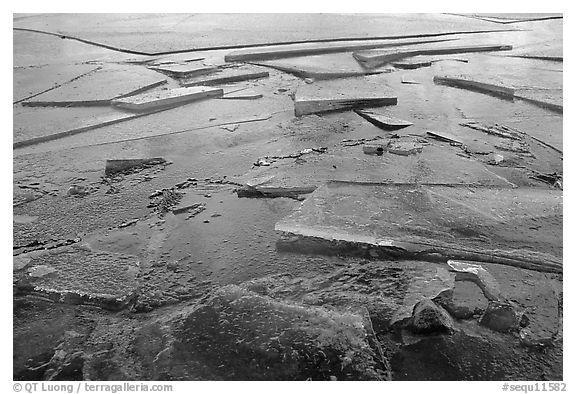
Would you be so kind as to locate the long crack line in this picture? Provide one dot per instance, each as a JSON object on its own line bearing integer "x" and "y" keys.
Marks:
{"x": 272, "y": 44}
{"x": 57, "y": 86}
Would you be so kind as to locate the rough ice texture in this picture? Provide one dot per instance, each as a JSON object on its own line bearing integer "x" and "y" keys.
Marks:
{"x": 80, "y": 276}
{"x": 237, "y": 334}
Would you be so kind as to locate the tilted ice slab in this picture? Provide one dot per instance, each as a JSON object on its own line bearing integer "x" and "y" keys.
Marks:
{"x": 520, "y": 227}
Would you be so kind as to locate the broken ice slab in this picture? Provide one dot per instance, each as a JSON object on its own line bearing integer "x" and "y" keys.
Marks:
{"x": 494, "y": 159}
{"x": 183, "y": 209}
{"x": 179, "y": 58}
{"x": 473, "y": 272}
{"x": 36, "y": 125}
{"x": 552, "y": 52}
{"x": 166, "y": 98}
{"x": 552, "y": 179}
{"x": 264, "y": 187}
{"x": 100, "y": 87}
{"x": 176, "y": 58}
{"x": 513, "y": 146}
{"x": 242, "y": 95}
{"x": 520, "y": 227}
{"x": 318, "y": 73}
{"x": 425, "y": 283}
{"x": 552, "y": 56}
{"x": 482, "y": 84}
{"x": 332, "y": 66}
{"x": 305, "y": 49}
{"x": 551, "y": 99}
{"x": 231, "y": 128}
{"x": 509, "y": 133}
{"x": 227, "y": 76}
{"x": 513, "y": 18}
{"x": 274, "y": 192}
{"x": 339, "y": 95}
{"x": 421, "y": 61}
{"x": 406, "y": 80}
{"x": 379, "y": 57}
{"x": 412, "y": 63}
{"x": 124, "y": 165}
{"x": 495, "y": 129}
{"x": 78, "y": 275}
{"x": 113, "y": 119}
{"x": 184, "y": 70}
{"x": 445, "y": 137}
{"x": 383, "y": 121}
{"x": 374, "y": 149}
{"x": 404, "y": 147}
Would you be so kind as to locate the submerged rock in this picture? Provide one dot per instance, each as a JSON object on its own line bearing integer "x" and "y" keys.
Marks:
{"x": 476, "y": 354}
{"x": 539, "y": 297}
{"x": 429, "y": 318}
{"x": 500, "y": 316}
